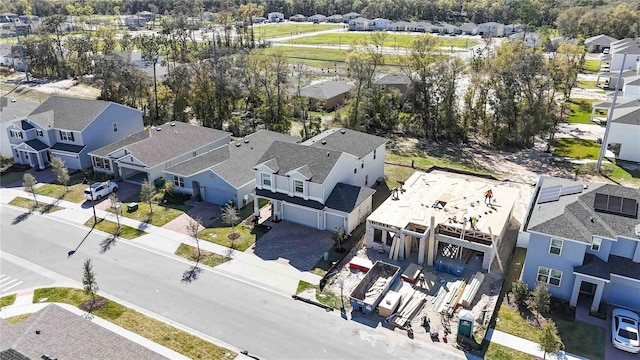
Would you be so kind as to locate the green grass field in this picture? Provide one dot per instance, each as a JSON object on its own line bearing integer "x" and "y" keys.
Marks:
{"x": 270, "y": 31}
{"x": 591, "y": 66}
{"x": 580, "y": 111}
{"x": 330, "y": 59}
{"x": 576, "y": 148}
{"x": 587, "y": 84}
{"x": 391, "y": 40}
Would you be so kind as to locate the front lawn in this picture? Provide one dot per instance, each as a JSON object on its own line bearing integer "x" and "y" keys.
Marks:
{"x": 499, "y": 352}
{"x": 160, "y": 216}
{"x": 591, "y": 66}
{"x": 206, "y": 257}
{"x": 391, "y": 40}
{"x": 580, "y": 111}
{"x": 324, "y": 297}
{"x": 576, "y": 148}
{"x": 110, "y": 227}
{"x": 73, "y": 193}
{"x": 31, "y": 205}
{"x": 269, "y": 31}
{"x": 219, "y": 233}
{"x": 587, "y": 84}
{"x": 7, "y": 300}
{"x": 152, "y": 329}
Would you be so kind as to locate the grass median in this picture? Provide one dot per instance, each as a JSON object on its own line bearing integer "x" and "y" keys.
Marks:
{"x": 111, "y": 227}
{"x": 150, "y": 328}
{"x": 31, "y": 205}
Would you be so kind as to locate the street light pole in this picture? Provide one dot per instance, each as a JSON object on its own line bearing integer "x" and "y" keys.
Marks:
{"x": 603, "y": 146}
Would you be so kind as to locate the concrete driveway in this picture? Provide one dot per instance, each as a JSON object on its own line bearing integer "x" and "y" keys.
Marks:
{"x": 126, "y": 192}
{"x": 611, "y": 352}
{"x": 204, "y": 211}
{"x": 298, "y": 245}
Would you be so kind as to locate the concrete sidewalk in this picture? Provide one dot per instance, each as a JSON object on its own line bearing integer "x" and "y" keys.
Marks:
{"x": 526, "y": 346}
{"x": 268, "y": 273}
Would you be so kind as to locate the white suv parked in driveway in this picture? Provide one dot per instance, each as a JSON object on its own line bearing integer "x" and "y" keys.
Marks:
{"x": 100, "y": 189}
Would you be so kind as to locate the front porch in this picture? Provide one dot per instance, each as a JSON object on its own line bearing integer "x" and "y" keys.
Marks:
{"x": 33, "y": 153}
{"x": 590, "y": 287}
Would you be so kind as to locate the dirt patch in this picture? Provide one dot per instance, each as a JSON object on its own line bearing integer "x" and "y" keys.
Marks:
{"x": 90, "y": 305}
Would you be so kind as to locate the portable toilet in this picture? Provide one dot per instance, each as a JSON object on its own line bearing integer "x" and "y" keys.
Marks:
{"x": 465, "y": 325}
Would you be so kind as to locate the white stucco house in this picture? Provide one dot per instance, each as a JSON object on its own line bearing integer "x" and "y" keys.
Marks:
{"x": 324, "y": 182}
{"x": 531, "y": 39}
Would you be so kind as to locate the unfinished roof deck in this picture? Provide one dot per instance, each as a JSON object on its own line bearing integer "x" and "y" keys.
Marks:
{"x": 450, "y": 198}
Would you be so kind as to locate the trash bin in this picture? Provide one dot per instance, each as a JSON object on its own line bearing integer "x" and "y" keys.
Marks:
{"x": 131, "y": 207}
{"x": 326, "y": 256}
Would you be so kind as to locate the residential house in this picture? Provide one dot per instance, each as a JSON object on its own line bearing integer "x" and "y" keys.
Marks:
{"x": 146, "y": 15}
{"x": 431, "y": 214}
{"x": 298, "y": 18}
{"x": 259, "y": 20}
{"x": 492, "y": 29}
{"x": 394, "y": 82}
{"x": 7, "y": 17}
{"x": 599, "y": 43}
{"x": 447, "y": 28}
{"x": 380, "y": 24}
{"x": 468, "y": 29}
{"x": 583, "y": 242}
{"x": 423, "y": 27}
{"x": 360, "y": 24}
{"x": 623, "y": 54}
{"x": 275, "y": 17}
{"x": 318, "y": 18}
{"x": 135, "y": 57}
{"x": 337, "y": 18}
{"x": 514, "y": 29}
{"x": 146, "y": 154}
{"x": 349, "y": 16}
{"x": 70, "y": 129}
{"x": 325, "y": 182}
{"x": 225, "y": 173}
{"x": 10, "y": 57}
{"x": 530, "y": 39}
{"x": 135, "y": 22}
{"x": 328, "y": 94}
{"x": 57, "y": 331}
{"x": 399, "y": 26}
{"x": 12, "y": 110}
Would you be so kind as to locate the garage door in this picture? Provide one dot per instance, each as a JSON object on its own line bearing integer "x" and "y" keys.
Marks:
{"x": 300, "y": 215}
{"x": 216, "y": 196}
{"x": 624, "y": 293}
{"x": 334, "y": 221}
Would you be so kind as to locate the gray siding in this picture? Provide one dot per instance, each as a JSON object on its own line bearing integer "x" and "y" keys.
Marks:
{"x": 605, "y": 248}
{"x": 623, "y": 292}
{"x": 538, "y": 255}
{"x": 624, "y": 248}
{"x": 213, "y": 189}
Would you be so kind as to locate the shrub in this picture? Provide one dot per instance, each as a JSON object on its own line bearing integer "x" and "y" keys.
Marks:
{"x": 520, "y": 293}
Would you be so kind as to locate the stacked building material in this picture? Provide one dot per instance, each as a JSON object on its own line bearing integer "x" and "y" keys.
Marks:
{"x": 409, "y": 309}
{"x": 470, "y": 291}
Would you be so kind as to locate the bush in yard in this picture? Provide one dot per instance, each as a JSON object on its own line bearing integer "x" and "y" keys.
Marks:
{"x": 520, "y": 293}
{"x": 549, "y": 340}
{"x": 540, "y": 299}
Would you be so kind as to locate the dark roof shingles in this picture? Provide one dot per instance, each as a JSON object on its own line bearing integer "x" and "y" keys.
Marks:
{"x": 67, "y": 113}
{"x": 294, "y": 156}
{"x": 348, "y": 141}
{"x": 345, "y": 197}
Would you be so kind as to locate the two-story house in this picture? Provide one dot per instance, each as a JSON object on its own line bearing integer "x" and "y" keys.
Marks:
{"x": 69, "y": 129}
{"x": 144, "y": 155}
{"x": 325, "y": 182}
{"x": 583, "y": 241}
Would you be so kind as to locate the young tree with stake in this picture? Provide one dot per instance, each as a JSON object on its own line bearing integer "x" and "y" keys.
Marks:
{"x": 89, "y": 282}
{"x": 28, "y": 182}
{"x": 230, "y": 217}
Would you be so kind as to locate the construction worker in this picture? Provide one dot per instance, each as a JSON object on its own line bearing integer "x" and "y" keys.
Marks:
{"x": 473, "y": 221}
{"x": 488, "y": 195}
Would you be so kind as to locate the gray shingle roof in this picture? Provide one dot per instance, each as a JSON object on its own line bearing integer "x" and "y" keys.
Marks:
{"x": 16, "y": 109}
{"x": 346, "y": 197}
{"x": 570, "y": 216}
{"x": 76, "y": 149}
{"x": 36, "y": 144}
{"x": 233, "y": 162}
{"x": 394, "y": 79}
{"x": 348, "y": 141}
{"x": 65, "y": 336}
{"x": 627, "y": 115}
{"x": 618, "y": 265}
{"x": 11, "y": 354}
{"x": 131, "y": 139}
{"x": 290, "y": 199}
{"x": 25, "y": 125}
{"x": 169, "y": 142}
{"x": 599, "y": 40}
{"x": 67, "y": 113}
{"x": 294, "y": 156}
{"x": 326, "y": 90}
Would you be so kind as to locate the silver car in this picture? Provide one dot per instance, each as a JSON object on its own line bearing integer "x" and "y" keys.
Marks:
{"x": 624, "y": 330}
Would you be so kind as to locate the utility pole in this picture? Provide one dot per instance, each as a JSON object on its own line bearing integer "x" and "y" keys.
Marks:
{"x": 603, "y": 146}
{"x": 26, "y": 68}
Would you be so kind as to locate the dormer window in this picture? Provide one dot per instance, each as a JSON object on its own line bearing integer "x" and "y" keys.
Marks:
{"x": 374, "y": 154}
{"x": 298, "y": 186}
{"x": 115, "y": 126}
{"x": 66, "y": 135}
{"x": 39, "y": 133}
{"x": 15, "y": 133}
{"x": 266, "y": 180}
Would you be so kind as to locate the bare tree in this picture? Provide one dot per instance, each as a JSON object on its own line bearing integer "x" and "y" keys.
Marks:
{"x": 115, "y": 207}
{"x": 89, "y": 282}
{"x": 338, "y": 235}
{"x": 193, "y": 227}
{"x": 147, "y": 191}
{"x": 230, "y": 217}
{"x": 62, "y": 173}
{"x": 28, "y": 182}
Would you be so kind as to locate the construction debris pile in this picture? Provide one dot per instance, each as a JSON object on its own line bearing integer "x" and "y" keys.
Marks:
{"x": 373, "y": 286}
{"x": 410, "y": 307}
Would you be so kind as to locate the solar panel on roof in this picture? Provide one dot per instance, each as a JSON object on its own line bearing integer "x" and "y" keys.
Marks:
{"x": 570, "y": 190}
{"x": 616, "y": 205}
{"x": 548, "y": 194}
{"x": 600, "y": 202}
{"x": 629, "y": 207}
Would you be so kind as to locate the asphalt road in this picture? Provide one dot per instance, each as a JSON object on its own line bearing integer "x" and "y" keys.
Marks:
{"x": 14, "y": 277}
{"x": 268, "y": 325}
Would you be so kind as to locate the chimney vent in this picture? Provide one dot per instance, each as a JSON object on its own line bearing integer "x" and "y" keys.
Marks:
{"x": 324, "y": 142}
{"x": 246, "y": 141}
{"x": 327, "y": 154}
{"x": 173, "y": 124}
{"x": 158, "y": 129}
{"x": 343, "y": 131}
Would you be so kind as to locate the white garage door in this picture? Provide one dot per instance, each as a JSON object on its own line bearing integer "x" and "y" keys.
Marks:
{"x": 334, "y": 221}
{"x": 300, "y": 215}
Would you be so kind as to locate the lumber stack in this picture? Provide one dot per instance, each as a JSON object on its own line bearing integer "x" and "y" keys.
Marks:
{"x": 395, "y": 248}
{"x": 470, "y": 291}
{"x": 410, "y": 309}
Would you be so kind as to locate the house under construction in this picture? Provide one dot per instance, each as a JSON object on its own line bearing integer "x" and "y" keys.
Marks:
{"x": 443, "y": 216}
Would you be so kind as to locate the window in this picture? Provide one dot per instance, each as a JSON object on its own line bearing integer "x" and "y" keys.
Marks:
{"x": 595, "y": 244}
{"x": 374, "y": 154}
{"x": 366, "y": 180}
{"x": 107, "y": 164}
{"x": 178, "y": 181}
{"x": 555, "y": 247}
{"x": 15, "y": 134}
{"x": 266, "y": 180}
{"x": 115, "y": 127}
{"x": 194, "y": 154}
{"x": 362, "y": 166}
{"x": 66, "y": 135}
{"x": 97, "y": 162}
{"x": 298, "y": 186}
{"x": 549, "y": 276}
{"x": 39, "y": 133}
{"x": 355, "y": 171}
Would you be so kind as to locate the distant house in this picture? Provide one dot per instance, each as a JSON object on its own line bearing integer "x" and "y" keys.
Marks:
{"x": 468, "y": 29}
{"x": 394, "y": 82}
{"x": 598, "y": 43}
{"x": 11, "y": 110}
{"x": 513, "y": 29}
{"x": 147, "y": 15}
{"x": 530, "y": 39}
{"x": 324, "y": 183}
{"x": 423, "y": 27}
{"x": 330, "y": 94}
{"x": 399, "y": 26}
{"x": 448, "y": 28}
{"x": 226, "y": 173}
{"x": 380, "y": 24}
{"x": 492, "y": 29}
{"x": 583, "y": 242}
{"x": 337, "y": 18}
{"x": 275, "y": 17}
{"x": 144, "y": 155}
{"x": 350, "y": 16}
{"x": 133, "y": 22}
{"x": 10, "y": 57}
{"x": 317, "y": 18}
{"x": 298, "y": 18}
{"x": 135, "y": 57}
{"x": 7, "y": 17}
{"x": 70, "y": 129}
{"x": 360, "y": 24}
{"x": 259, "y": 20}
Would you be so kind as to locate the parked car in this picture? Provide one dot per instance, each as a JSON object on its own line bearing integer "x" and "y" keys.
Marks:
{"x": 100, "y": 189}
{"x": 624, "y": 330}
